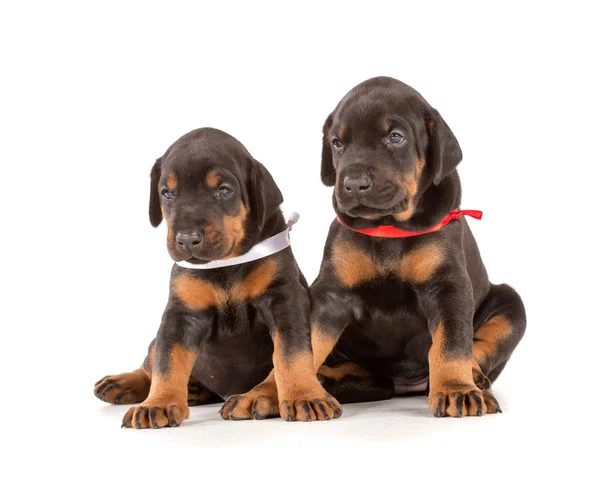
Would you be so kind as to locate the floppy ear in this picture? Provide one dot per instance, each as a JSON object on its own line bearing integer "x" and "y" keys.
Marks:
{"x": 155, "y": 211}
{"x": 443, "y": 152}
{"x": 327, "y": 170}
{"x": 265, "y": 196}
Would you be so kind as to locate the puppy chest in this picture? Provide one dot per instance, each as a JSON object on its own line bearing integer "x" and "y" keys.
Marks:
{"x": 354, "y": 266}
{"x": 198, "y": 293}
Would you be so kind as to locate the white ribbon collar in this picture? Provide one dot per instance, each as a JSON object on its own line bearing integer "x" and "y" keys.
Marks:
{"x": 267, "y": 247}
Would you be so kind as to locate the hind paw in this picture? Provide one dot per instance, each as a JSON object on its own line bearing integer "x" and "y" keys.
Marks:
{"x": 123, "y": 388}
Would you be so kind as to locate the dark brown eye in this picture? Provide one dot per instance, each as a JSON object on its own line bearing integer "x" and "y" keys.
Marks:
{"x": 336, "y": 143}
{"x": 224, "y": 191}
{"x": 396, "y": 137}
{"x": 167, "y": 194}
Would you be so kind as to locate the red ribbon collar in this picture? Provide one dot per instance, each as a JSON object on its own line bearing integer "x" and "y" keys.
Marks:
{"x": 389, "y": 231}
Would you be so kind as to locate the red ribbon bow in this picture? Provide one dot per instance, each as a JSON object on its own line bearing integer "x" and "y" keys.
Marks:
{"x": 389, "y": 231}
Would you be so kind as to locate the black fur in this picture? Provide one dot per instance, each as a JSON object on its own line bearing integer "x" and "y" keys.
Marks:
{"x": 386, "y": 322}
{"x": 209, "y": 186}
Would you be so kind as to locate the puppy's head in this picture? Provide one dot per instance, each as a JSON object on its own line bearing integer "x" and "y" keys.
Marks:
{"x": 383, "y": 146}
{"x": 214, "y": 197}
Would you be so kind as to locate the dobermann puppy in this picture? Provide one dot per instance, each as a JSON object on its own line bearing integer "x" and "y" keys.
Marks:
{"x": 236, "y": 329}
{"x": 416, "y": 312}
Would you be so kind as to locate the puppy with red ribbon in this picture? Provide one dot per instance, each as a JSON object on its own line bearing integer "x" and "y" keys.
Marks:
{"x": 403, "y": 303}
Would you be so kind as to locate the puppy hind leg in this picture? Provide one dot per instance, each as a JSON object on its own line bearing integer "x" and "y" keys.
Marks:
{"x": 350, "y": 383}
{"x": 126, "y": 388}
{"x": 499, "y": 326}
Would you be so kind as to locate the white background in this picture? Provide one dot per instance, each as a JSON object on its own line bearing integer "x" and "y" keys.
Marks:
{"x": 91, "y": 96}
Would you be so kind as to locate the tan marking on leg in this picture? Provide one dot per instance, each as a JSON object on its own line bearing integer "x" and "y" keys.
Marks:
{"x": 172, "y": 387}
{"x": 420, "y": 264}
{"x": 487, "y": 337}
{"x": 339, "y": 372}
{"x": 256, "y": 282}
{"x": 294, "y": 375}
{"x": 259, "y": 403}
{"x": 352, "y": 266}
{"x": 198, "y": 294}
{"x": 301, "y": 396}
{"x": 267, "y": 387}
{"x": 443, "y": 370}
{"x": 322, "y": 345}
{"x": 167, "y": 402}
{"x": 480, "y": 379}
{"x": 172, "y": 182}
{"x": 213, "y": 179}
{"x": 452, "y": 391}
{"x": 484, "y": 384}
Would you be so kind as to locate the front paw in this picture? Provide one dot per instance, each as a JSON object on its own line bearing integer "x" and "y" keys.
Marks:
{"x": 156, "y": 415}
{"x": 314, "y": 404}
{"x": 251, "y": 405}
{"x": 455, "y": 399}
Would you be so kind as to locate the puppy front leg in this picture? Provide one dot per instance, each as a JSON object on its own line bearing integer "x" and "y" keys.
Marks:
{"x": 292, "y": 381}
{"x": 166, "y": 404}
{"x": 291, "y": 389}
{"x": 301, "y": 396}
{"x": 452, "y": 391}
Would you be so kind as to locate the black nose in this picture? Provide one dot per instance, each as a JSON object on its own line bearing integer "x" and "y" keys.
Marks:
{"x": 188, "y": 242}
{"x": 358, "y": 184}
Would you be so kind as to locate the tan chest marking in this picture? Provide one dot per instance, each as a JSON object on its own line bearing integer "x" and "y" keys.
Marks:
{"x": 353, "y": 266}
{"x": 200, "y": 295}
{"x": 419, "y": 265}
{"x": 256, "y": 283}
